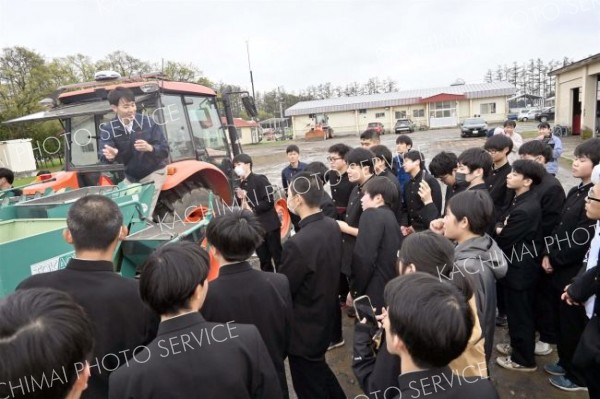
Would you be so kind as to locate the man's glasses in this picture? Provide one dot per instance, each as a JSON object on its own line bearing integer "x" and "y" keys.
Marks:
{"x": 590, "y": 196}
{"x": 333, "y": 159}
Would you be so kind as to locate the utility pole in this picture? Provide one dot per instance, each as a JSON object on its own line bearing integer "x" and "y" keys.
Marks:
{"x": 250, "y": 67}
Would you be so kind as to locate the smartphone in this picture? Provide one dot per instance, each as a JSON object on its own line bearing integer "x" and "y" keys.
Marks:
{"x": 364, "y": 310}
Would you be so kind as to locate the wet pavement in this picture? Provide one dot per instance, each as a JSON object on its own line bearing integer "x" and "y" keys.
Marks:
{"x": 270, "y": 159}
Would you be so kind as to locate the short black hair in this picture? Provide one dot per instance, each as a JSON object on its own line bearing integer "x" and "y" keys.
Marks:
{"x": 475, "y": 158}
{"x": 362, "y": 157}
{"x": 340, "y": 149}
{"x": 119, "y": 92}
{"x": 235, "y": 234}
{"x": 536, "y": 148}
{"x": 589, "y": 149}
{"x": 443, "y": 164}
{"x": 475, "y": 205}
{"x": 171, "y": 274}
{"x": 404, "y": 139}
{"x": 292, "y": 148}
{"x": 383, "y": 153}
{"x": 416, "y": 156}
{"x": 544, "y": 125}
{"x": 317, "y": 169}
{"x": 309, "y": 187}
{"x": 414, "y": 300}
{"x": 433, "y": 254}
{"x": 530, "y": 170}
{"x": 369, "y": 134}
{"x": 510, "y": 123}
{"x": 498, "y": 142}
{"x": 94, "y": 222}
{"x": 383, "y": 186}
{"x": 7, "y": 174}
{"x": 242, "y": 158}
{"x": 42, "y": 331}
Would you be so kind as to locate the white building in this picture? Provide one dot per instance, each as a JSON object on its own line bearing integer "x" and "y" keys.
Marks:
{"x": 577, "y": 98}
{"x": 437, "y": 107}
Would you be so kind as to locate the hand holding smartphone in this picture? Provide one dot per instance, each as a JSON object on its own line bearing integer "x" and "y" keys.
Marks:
{"x": 364, "y": 310}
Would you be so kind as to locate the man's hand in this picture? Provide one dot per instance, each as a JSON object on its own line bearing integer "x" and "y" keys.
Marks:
{"x": 546, "y": 265}
{"x": 241, "y": 194}
{"x": 343, "y": 226}
{"x": 437, "y": 226}
{"x": 109, "y": 152}
{"x": 565, "y": 297}
{"x": 406, "y": 230}
{"x": 425, "y": 192}
{"x": 143, "y": 146}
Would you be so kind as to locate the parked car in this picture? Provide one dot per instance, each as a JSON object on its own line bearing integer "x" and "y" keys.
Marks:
{"x": 512, "y": 117}
{"x": 473, "y": 127}
{"x": 527, "y": 114}
{"x": 271, "y": 135}
{"x": 377, "y": 127}
{"x": 404, "y": 125}
{"x": 545, "y": 115}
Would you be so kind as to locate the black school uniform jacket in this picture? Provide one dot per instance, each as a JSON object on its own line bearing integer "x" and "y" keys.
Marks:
{"x": 259, "y": 192}
{"x": 443, "y": 384}
{"x": 311, "y": 260}
{"x": 552, "y": 198}
{"x": 571, "y": 237}
{"x": 520, "y": 240}
{"x": 249, "y": 296}
{"x": 415, "y": 213}
{"x": 352, "y": 217}
{"x": 121, "y": 320}
{"x": 375, "y": 254}
{"x": 397, "y": 207}
{"x": 502, "y": 196}
{"x": 193, "y": 358}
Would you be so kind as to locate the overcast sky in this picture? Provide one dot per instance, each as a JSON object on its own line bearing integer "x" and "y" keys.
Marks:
{"x": 295, "y": 44}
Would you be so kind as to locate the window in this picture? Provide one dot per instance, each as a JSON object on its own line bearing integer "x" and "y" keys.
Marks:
{"x": 400, "y": 114}
{"x": 176, "y": 128}
{"x": 362, "y": 111}
{"x": 82, "y": 141}
{"x": 443, "y": 109}
{"x": 379, "y": 114}
{"x": 209, "y": 138}
{"x": 489, "y": 108}
{"x": 419, "y": 113}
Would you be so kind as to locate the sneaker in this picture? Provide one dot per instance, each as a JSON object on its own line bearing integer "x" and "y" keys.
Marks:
{"x": 501, "y": 321}
{"x": 504, "y": 348}
{"x": 542, "y": 348}
{"x": 562, "y": 382}
{"x": 334, "y": 345}
{"x": 507, "y": 363}
{"x": 554, "y": 369}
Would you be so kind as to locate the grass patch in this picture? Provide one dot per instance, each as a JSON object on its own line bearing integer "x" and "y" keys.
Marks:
{"x": 56, "y": 166}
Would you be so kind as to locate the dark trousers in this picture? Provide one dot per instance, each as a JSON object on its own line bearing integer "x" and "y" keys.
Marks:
{"x": 587, "y": 356}
{"x": 336, "y": 334}
{"x": 571, "y": 324}
{"x": 521, "y": 324}
{"x": 313, "y": 379}
{"x": 500, "y": 303}
{"x": 546, "y": 317}
{"x": 269, "y": 251}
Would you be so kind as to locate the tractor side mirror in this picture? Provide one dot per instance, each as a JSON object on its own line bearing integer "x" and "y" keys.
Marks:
{"x": 250, "y": 106}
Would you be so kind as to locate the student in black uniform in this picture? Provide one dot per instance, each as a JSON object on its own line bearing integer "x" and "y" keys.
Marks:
{"x": 474, "y": 165}
{"x": 426, "y": 348}
{"x": 246, "y": 295}
{"x": 256, "y": 194}
{"x": 552, "y": 197}
{"x": 121, "y": 320}
{"x": 382, "y": 164}
{"x": 45, "y": 337}
{"x": 327, "y": 206}
{"x": 519, "y": 238}
{"x": 443, "y": 167}
{"x": 191, "y": 357}
{"x": 337, "y": 177}
{"x": 418, "y": 191}
{"x": 564, "y": 253}
{"x": 312, "y": 261}
{"x": 369, "y": 138}
{"x": 377, "y": 243}
{"x": 499, "y": 146}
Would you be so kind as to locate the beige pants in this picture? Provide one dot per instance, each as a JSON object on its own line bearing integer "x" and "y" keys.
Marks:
{"x": 157, "y": 177}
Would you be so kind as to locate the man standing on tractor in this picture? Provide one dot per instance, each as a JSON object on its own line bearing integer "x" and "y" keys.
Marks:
{"x": 136, "y": 141}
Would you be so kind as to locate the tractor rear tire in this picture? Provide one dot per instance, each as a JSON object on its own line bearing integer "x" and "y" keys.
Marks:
{"x": 186, "y": 202}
